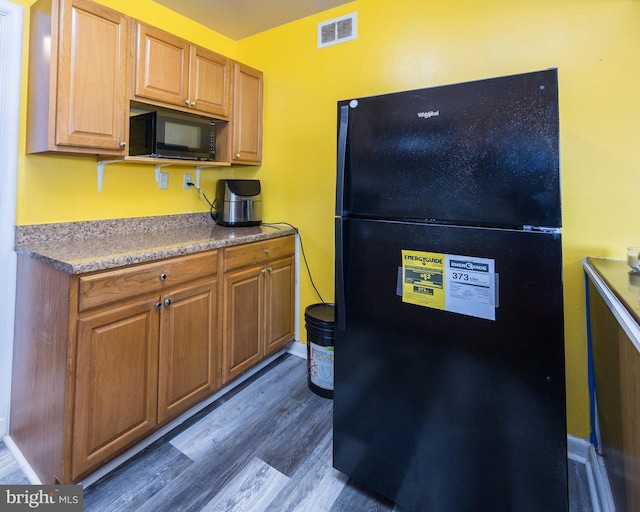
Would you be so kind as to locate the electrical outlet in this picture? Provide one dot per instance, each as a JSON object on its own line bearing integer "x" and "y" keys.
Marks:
{"x": 164, "y": 180}
{"x": 186, "y": 178}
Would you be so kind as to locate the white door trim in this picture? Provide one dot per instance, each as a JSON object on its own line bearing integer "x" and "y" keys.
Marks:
{"x": 11, "y": 28}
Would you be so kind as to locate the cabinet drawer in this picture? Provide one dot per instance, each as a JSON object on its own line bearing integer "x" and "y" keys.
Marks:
{"x": 256, "y": 253}
{"x": 124, "y": 283}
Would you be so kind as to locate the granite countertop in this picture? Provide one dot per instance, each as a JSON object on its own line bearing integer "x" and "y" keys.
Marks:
{"x": 624, "y": 283}
{"x": 79, "y": 247}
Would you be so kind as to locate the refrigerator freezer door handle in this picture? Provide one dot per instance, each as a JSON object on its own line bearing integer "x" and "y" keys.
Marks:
{"x": 341, "y": 322}
{"x": 342, "y": 155}
{"x": 542, "y": 229}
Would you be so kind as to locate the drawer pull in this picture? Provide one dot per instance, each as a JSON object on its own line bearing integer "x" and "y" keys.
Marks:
{"x": 167, "y": 302}
{"x": 150, "y": 279}
{"x": 266, "y": 251}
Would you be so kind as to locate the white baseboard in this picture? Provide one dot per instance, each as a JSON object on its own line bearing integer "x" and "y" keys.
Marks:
{"x": 583, "y": 452}
{"x": 578, "y": 449}
{"x": 297, "y": 349}
{"x": 22, "y": 462}
{"x": 601, "y": 481}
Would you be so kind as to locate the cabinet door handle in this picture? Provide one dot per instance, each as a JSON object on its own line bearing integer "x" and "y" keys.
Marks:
{"x": 163, "y": 276}
{"x": 167, "y": 302}
{"x": 269, "y": 269}
{"x": 266, "y": 251}
{"x": 192, "y": 103}
{"x": 123, "y": 144}
{"x": 158, "y": 305}
{"x": 263, "y": 271}
{"x": 187, "y": 102}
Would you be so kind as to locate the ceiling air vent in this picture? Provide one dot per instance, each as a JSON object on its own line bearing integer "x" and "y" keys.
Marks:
{"x": 338, "y": 30}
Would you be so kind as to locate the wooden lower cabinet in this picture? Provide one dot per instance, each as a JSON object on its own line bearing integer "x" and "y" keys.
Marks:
{"x": 188, "y": 368}
{"x": 116, "y": 381}
{"x": 102, "y": 360}
{"x": 139, "y": 366}
{"x": 616, "y": 366}
{"x": 259, "y": 296}
{"x": 279, "y": 304}
{"x": 243, "y": 320}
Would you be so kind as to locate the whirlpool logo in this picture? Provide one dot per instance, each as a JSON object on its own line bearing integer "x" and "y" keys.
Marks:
{"x": 427, "y": 115}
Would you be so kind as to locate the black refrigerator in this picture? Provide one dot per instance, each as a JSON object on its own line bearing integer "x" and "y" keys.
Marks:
{"x": 449, "y": 391}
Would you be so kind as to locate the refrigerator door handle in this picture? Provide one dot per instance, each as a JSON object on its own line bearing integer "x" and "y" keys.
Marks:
{"x": 341, "y": 322}
{"x": 342, "y": 155}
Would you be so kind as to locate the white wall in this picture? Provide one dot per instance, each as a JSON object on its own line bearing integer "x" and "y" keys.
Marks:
{"x": 11, "y": 25}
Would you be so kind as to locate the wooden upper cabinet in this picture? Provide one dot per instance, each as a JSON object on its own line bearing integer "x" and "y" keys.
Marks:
{"x": 210, "y": 82}
{"x": 246, "y": 143}
{"x": 77, "y": 99}
{"x": 175, "y": 73}
{"x": 87, "y": 62}
{"x": 161, "y": 66}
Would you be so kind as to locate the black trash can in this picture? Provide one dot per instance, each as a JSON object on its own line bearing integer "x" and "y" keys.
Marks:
{"x": 319, "y": 320}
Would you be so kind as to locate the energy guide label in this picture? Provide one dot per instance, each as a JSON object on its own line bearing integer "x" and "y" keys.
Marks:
{"x": 423, "y": 278}
{"x": 459, "y": 284}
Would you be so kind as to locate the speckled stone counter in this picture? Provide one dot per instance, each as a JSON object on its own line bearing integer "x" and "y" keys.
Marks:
{"x": 79, "y": 247}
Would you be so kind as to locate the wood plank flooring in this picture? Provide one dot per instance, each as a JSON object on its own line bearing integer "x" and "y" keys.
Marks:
{"x": 265, "y": 446}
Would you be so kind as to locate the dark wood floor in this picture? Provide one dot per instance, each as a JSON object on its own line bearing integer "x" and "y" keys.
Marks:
{"x": 265, "y": 446}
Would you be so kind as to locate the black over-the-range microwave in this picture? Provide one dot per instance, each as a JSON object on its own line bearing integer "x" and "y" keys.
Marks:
{"x": 171, "y": 134}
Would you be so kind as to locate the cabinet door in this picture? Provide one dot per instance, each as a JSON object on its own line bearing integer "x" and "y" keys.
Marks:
{"x": 278, "y": 304}
{"x": 210, "y": 82}
{"x": 247, "y": 115}
{"x": 242, "y": 321}
{"x": 187, "y": 356}
{"x": 116, "y": 382}
{"x": 92, "y": 108}
{"x": 161, "y": 66}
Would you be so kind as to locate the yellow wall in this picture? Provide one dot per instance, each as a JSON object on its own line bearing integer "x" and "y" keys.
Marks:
{"x": 406, "y": 44}
{"x": 61, "y": 189}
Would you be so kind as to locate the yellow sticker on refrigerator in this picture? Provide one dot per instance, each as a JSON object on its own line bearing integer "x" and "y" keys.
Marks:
{"x": 423, "y": 278}
{"x": 459, "y": 284}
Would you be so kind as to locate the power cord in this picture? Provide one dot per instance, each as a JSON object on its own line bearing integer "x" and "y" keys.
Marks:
{"x": 304, "y": 256}
{"x": 273, "y": 225}
{"x": 212, "y": 206}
